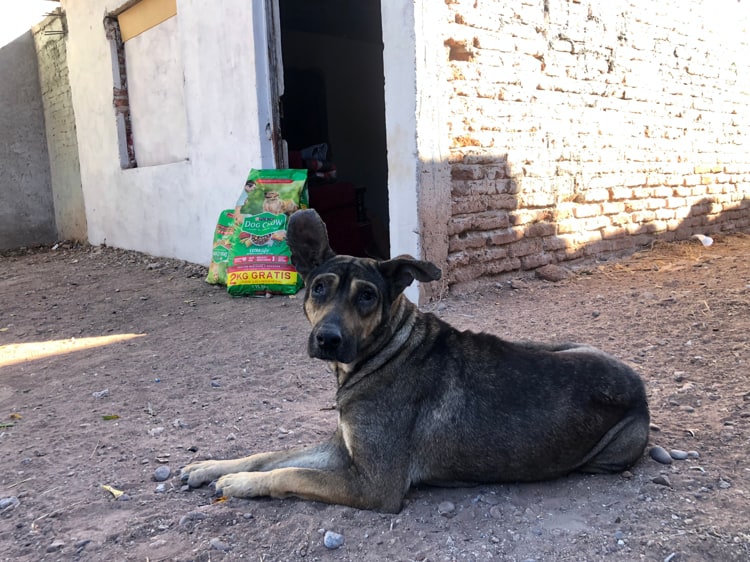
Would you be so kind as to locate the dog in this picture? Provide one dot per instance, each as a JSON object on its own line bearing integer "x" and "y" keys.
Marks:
{"x": 421, "y": 402}
{"x": 272, "y": 203}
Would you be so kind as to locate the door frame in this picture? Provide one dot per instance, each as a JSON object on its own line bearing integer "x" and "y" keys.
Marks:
{"x": 398, "y": 28}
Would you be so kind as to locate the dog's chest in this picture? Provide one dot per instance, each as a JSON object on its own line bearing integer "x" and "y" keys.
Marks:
{"x": 347, "y": 434}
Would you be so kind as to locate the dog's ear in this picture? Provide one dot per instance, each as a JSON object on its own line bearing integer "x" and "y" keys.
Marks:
{"x": 308, "y": 240}
{"x": 401, "y": 271}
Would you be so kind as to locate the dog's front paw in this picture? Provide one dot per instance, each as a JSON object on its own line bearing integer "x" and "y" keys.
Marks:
{"x": 241, "y": 485}
{"x": 199, "y": 473}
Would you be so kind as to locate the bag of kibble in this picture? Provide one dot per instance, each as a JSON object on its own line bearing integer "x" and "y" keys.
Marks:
{"x": 217, "y": 270}
{"x": 259, "y": 261}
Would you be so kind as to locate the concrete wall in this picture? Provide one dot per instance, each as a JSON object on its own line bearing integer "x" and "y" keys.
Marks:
{"x": 26, "y": 210}
{"x": 586, "y": 128}
{"x": 171, "y": 209}
{"x": 62, "y": 144}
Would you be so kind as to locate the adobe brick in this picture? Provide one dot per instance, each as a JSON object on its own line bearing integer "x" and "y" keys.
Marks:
{"x": 536, "y": 260}
{"x": 612, "y": 208}
{"x": 505, "y": 236}
{"x": 541, "y": 229}
{"x": 551, "y": 243}
{"x": 525, "y": 247}
{"x": 582, "y": 211}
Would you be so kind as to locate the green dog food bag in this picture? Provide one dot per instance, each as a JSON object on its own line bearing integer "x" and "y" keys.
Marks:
{"x": 259, "y": 260}
{"x": 217, "y": 270}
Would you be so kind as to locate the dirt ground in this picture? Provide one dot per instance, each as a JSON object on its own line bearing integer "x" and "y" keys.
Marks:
{"x": 206, "y": 375}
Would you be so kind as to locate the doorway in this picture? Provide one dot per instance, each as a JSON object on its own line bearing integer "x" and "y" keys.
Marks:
{"x": 332, "y": 116}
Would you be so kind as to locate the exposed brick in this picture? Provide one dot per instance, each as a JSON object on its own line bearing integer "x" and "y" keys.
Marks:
{"x": 536, "y": 260}
{"x": 664, "y": 214}
{"x": 540, "y": 229}
{"x": 621, "y": 193}
{"x": 466, "y": 241}
{"x": 505, "y": 236}
{"x": 525, "y": 247}
{"x": 610, "y": 232}
{"x": 553, "y": 243}
{"x": 582, "y": 211}
{"x": 595, "y": 195}
{"x": 524, "y": 216}
{"x": 661, "y": 192}
{"x": 611, "y": 208}
{"x": 595, "y": 223}
{"x": 552, "y": 129}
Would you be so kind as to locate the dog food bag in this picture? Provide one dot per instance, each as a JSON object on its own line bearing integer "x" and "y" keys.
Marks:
{"x": 217, "y": 270}
{"x": 259, "y": 260}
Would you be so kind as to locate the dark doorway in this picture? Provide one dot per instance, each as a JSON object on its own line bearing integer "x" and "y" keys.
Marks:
{"x": 333, "y": 115}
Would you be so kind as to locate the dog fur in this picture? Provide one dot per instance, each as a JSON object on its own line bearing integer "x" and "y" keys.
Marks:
{"x": 422, "y": 402}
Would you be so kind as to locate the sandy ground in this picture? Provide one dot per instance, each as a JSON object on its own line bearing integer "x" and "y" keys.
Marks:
{"x": 114, "y": 364}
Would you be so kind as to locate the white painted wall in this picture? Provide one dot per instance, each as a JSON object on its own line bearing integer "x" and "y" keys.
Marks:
{"x": 171, "y": 210}
{"x": 400, "y": 68}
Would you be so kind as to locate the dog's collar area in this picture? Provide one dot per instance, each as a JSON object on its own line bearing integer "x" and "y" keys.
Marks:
{"x": 389, "y": 343}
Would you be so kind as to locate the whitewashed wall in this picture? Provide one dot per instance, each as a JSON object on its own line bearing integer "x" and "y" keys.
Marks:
{"x": 171, "y": 209}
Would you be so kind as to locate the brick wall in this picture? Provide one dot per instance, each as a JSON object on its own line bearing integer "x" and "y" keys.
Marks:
{"x": 581, "y": 129}
{"x": 59, "y": 120}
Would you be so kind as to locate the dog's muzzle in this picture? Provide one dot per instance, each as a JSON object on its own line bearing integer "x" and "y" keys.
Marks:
{"x": 328, "y": 343}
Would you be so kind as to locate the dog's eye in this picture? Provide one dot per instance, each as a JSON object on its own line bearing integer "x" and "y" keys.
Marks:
{"x": 319, "y": 289}
{"x": 367, "y": 296}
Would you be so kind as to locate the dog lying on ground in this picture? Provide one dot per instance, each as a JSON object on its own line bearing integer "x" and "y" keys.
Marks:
{"x": 421, "y": 402}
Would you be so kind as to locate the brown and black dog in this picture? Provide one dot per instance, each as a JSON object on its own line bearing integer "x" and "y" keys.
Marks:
{"x": 422, "y": 402}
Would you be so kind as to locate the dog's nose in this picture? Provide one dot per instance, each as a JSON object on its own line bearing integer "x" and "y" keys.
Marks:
{"x": 328, "y": 337}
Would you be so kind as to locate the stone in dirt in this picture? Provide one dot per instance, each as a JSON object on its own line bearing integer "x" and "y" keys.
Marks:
{"x": 660, "y": 454}
{"x": 553, "y": 273}
{"x": 447, "y": 509}
{"x": 162, "y": 473}
{"x": 662, "y": 481}
{"x": 218, "y": 544}
{"x": 10, "y": 500}
{"x": 333, "y": 540}
{"x": 55, "y": 546}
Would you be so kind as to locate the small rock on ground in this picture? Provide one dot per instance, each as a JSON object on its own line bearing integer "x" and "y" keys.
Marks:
{"x": 162, "y": 473}
{"x": 660, "y": 454}
{"x": 662, "y": 481}
{"x": 552, "y": 273}
{"x": 55, "y": 546}
{"x": 333, "y": 540}
{"x": 11, "y": 500}
{"x": 218, "y": 544}
{"x": 447, "y": 509}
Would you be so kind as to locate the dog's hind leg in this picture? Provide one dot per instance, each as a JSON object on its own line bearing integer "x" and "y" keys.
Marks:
{"x": 620, "y": 447}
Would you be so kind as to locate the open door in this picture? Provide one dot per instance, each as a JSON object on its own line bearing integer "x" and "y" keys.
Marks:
{"x": 328, "y": 99}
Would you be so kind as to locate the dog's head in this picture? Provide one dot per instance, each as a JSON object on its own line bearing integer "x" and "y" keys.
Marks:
{"x": 348, "y": 300}
{"x": 271, "y": 194}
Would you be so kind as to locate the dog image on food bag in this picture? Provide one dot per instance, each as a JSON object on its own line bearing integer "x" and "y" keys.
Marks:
{"x": 274, "y": 204}
{"x": 422, "y": 402}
